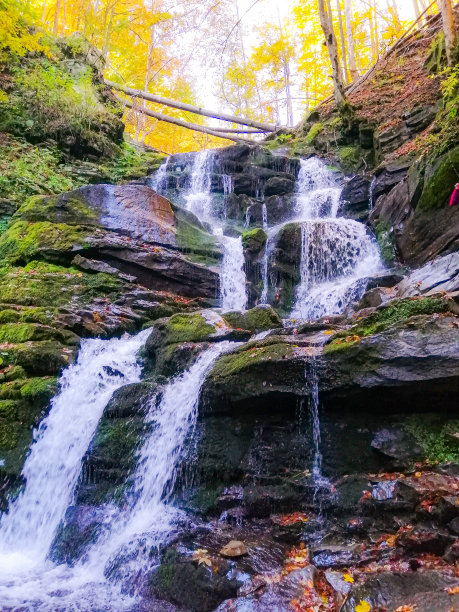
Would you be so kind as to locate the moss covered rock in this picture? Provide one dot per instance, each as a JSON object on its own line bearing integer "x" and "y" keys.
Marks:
{"x": 254, "y": 241}
{"x": 260, "y": 318}
{"x": 440, "y": 178}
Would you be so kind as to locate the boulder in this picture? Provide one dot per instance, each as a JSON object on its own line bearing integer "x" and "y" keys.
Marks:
{"x": 399, "y": 446}
{"x": 425, "y": 590}
{"x": 355, "y": 198}
{"x": 441, "y": 274}
{"x": 279, "y": 186}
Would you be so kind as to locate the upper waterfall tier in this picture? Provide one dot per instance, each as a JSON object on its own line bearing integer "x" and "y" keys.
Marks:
{"x": 277, "y": 221}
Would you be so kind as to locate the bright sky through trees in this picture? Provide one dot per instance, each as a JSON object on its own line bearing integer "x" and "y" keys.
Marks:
{"x": 263, "y": 59}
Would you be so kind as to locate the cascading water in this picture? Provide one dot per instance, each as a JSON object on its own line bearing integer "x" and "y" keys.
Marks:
{"x": 264, "y": 265}
{"x": 27, "y": 576}
{"x": 337, "y": 254}
{"x": 149, "y": 514}
{"x": 199, "y": 201}
{"x": 158, "y": 181}
{"x": 53, "y": 465}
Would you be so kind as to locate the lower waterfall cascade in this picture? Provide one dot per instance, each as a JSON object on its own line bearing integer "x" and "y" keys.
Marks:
{"x": 26, "y": 569}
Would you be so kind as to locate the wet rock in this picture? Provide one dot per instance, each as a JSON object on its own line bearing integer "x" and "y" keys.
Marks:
{"x": 424, "y": 541}
{"x": 388, "y": 176}
{"x": 234, "y": 549}
{"x": 376, "y": 297}
{"x": 190, "y": 585}
{"x": 388, "y": 278}
{"x": 397, "y": 445}
{"x": 333, "y": 557}
{"x": 256, "y": 319}
{"x": 337, "y": 582}
{"x": 80, "y": 527}
{"x": 355, "y": 198}
{"x": 441, "y": 274}
{"x": 427, "y": 590}
{"x": 279, "y": 186}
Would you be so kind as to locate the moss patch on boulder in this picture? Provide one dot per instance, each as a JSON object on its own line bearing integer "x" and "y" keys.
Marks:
{"x": 46, "y": 286}
{"x": 440, "y": 181}
{"x": 24, "y": 241}
{"x": 250, "y": 355}
{"x": 260, "y": 318}
{"x": 385, "y": 316}
{"x": 254, "y": 240}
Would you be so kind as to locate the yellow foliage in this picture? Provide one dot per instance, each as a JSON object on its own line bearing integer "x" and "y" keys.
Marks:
{"x": 363, "y": 606}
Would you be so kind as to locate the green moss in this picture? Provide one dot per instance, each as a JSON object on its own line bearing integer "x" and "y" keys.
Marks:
{"x": 187, "y": 328}
{"x": 8, "y": 410}
{"x": 11, "y": 373}
{"x": 132, "y": 164}
{"x": 38, "y": 358}
{"x": 385, "y": 316}
{"x": 23, "y": 332}
{"x": 204, "y": 499}
{"x": 439, "y": 186}
{"x": 11, "y": 390}
{"x": 70, "y": 209}
{"x": 256, "y": 319}
{"x": 24, "y": 241}
{"x": 39, "y": 389}
{"x": 251, "y": 355}
{"x": 9, "y": 316}
{"x": 9, "y": 434}
{"x": 254, "y": 240}
{"x": 199, "y": 244}
{"x": 116, "y": 441}
{"x": 385, "y": 239}
{"x": 432, "y": 434}
{"x": 350, "y": 158}
{"x": 42, "y": 285}
{"x": 315, "y": 130}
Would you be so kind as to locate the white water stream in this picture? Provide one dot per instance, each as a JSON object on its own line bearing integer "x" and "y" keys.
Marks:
{"x": 337, "y": 254}
{"x": 200, "y": 202}
{"x": 27, "y": 577}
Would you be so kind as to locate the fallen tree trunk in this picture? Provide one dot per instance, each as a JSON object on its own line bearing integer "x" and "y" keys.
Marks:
{"x": 138, "y": 93}
{"x": 189, "y": 126}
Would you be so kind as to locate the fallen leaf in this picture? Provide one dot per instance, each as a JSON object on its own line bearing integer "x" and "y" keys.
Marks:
{"x": 348, "y": 578}
{"x": 453, "y": 590}
{"x": 363, "y": 606}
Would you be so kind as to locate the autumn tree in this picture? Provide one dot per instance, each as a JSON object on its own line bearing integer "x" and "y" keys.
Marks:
{"x": 326, "y": 21}
{"x": 449, "y": 29}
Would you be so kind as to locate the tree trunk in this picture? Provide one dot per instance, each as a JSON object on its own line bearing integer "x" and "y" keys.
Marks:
{"x": 44, "y": 12}
{"x": 332, "y": 47}
{"x": 57, "y": 10}
{"x": 376, "y": 29}
{"x": 137, "y": 93}
{"x": 374, "y": 54}
{"x": 343, "y": 43}
{"x": 350, "y": 40}
{"x": 446, "y": 9}
{"x": 417, "y": 13}
{"x": 64, "y": 18}
{"x": 189, "y": 126}
{"x": 108, "y": 35}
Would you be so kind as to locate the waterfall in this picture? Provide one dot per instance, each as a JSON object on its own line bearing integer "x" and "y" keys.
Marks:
{"x": 158, "y": 181}
{"x": 314, "y": 409}
{"x": 264, "y": 265}
{"x": 337, "y": 254}
{"x": 173, "y": 417}
{"x": 372, "y": 193}
{"x": 53, "y": 465}
{"x": 199, "y": 201}
{"x": 147, "y": 519}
